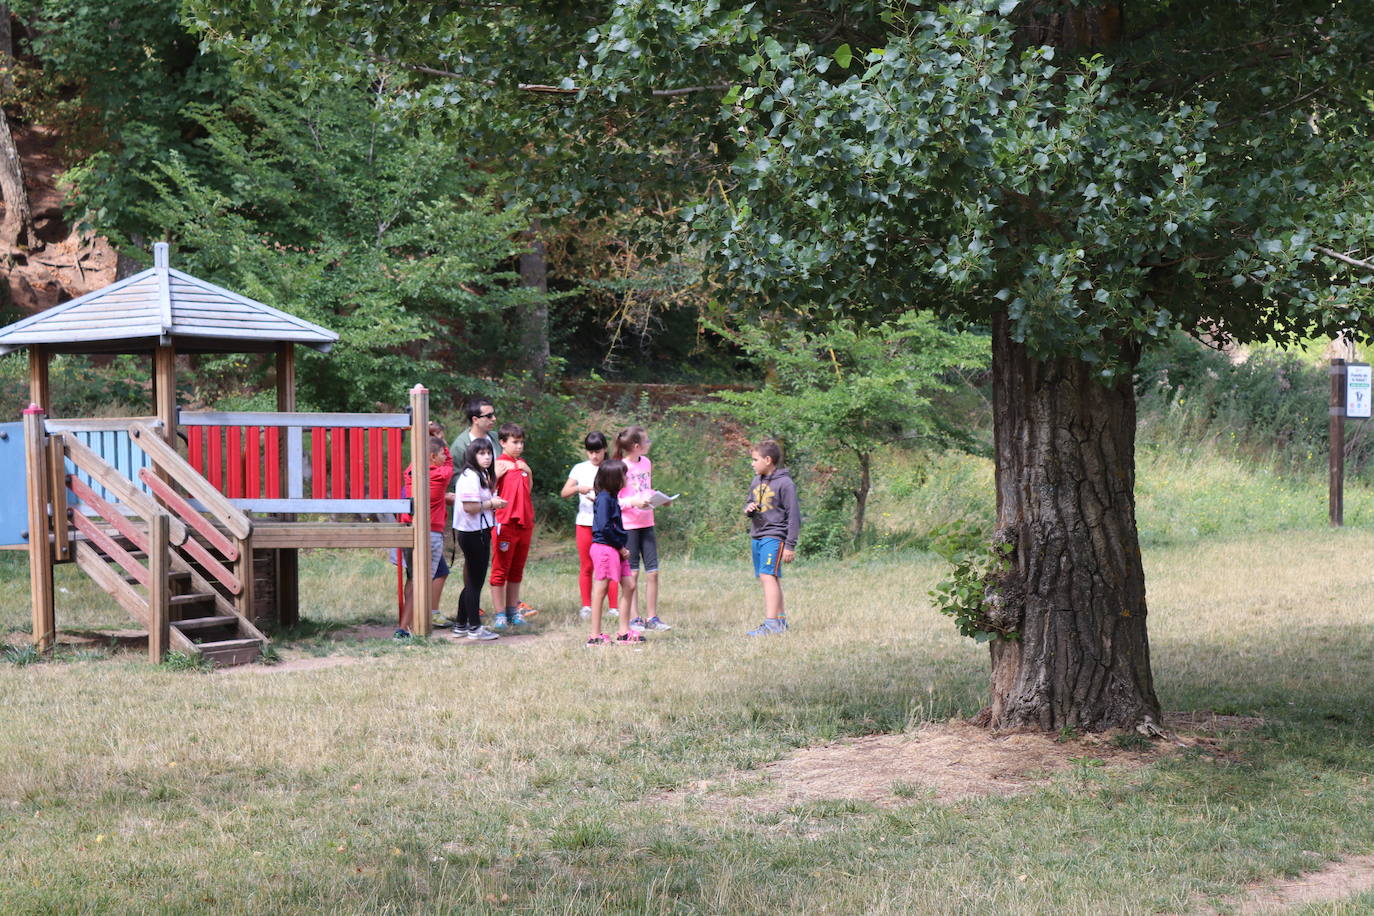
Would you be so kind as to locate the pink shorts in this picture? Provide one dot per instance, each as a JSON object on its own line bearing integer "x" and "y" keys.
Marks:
{"x": 607, "y": 563}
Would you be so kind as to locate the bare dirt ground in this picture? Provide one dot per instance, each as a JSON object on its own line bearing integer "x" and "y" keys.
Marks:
{"x": 948, "y": 762}
{"x": 1336, "y": 881}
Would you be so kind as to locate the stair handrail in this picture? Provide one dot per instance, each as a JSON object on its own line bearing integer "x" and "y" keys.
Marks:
{"x": 114, "y": 482}
{"x": 166, "y": 459}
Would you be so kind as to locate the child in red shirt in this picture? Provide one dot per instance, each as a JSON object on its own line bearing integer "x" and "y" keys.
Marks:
{"x": 510, "y": 539}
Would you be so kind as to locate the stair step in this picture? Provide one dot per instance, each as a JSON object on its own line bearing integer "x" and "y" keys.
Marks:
{"x": 228, "y": 652}
{"x": 205, "y": 623}
{"x": 192, "y": 598}
{"x": 171, "y": 577}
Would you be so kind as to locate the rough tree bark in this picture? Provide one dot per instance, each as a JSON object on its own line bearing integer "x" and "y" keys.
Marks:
{"x": 16, "y": 229}
{"x": 1075, "y": 587}
{"x": 534, "y": 273}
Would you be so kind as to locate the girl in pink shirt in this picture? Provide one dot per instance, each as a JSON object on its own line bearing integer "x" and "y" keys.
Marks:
{"x": 632, "y": 447}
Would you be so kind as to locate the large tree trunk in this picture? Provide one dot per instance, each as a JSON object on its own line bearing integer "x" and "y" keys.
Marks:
{"x": 16, "y": 230}
{"x": 1075, "y": 587}
{"x": 534, "y": 273}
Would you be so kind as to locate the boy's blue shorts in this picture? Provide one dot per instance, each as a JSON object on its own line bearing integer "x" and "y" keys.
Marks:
{"x": 767, "y": 557}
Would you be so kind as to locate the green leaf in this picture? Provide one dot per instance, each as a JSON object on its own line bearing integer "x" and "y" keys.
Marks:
{"x": 843, "y": 56}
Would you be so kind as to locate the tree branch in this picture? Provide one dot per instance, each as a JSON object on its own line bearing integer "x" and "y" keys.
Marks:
{"x": 554, "y": 90}
{"x": 1345, "y": 258}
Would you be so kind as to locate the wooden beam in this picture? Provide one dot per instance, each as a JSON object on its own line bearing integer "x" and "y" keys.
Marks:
{"x": 244, "y": 600}
{"x": 286, "y": 378}
{"x": 57, "y": 490}
{"x": 39, "y": 392}
{"x": 40, "y": 549}
{"x": 281, "y": 535}
{"x": 419, "y": 516}
{"x": 285, "y": 562}
{"x": 159, "y": 589}
{"x": 310, "y": 420}
{"x": 165, "y": 391}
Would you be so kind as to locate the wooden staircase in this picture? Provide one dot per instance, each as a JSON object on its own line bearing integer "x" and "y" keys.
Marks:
{"x": 158, "y": 562}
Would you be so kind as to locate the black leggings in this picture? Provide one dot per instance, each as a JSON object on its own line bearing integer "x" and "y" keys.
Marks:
{"x": 476, "y": 547}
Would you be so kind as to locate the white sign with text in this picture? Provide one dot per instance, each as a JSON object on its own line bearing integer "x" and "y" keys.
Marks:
{"x": 1358, "y": 378}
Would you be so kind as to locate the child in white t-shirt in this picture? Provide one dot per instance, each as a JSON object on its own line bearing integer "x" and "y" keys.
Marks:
{"x": 580, "y": 484}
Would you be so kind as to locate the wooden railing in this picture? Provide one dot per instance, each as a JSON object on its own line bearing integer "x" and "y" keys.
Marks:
{"x": 268, "y": 462}
{"x": 155, "y": 537}
{"x": 167, "y": 463}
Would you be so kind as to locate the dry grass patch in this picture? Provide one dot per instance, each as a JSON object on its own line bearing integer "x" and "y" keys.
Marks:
{"x": 948, "y": 762}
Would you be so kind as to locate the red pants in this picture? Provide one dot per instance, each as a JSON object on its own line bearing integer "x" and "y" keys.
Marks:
{"x": 584, "y": 569}
{"x": 509, "y": 549}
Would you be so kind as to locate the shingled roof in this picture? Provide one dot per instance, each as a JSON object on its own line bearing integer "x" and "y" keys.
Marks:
{"x": 158, "y": 307}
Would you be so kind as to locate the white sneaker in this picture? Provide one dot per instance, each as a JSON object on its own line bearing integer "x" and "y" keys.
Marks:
{"x": 585, "y": 613}
{"x": 483, "y": 633}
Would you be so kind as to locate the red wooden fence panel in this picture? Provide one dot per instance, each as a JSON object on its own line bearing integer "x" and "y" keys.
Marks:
{"x": 376, "y": 461}
{"x": 234, "y": 458}
{"x": 318, "y": 450}
{"x": 272, "y": 462}
{"x": 338, "y": 463}
{"x": 252, "y": 452}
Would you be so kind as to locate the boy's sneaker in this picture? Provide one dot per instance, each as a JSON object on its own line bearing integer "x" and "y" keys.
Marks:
{"x": 600, "y": 639}
{"x": 401, "y": 633}
{"x": 637, "y": 624}
{"x": 500, "y": 622}
{"x": 585, "y": 613}
{"x": 769, "y": 627}
{"x": 525, "y": 610}
{"x": 482, "y": 633}
{"x": 653, "y": 623}
{"x": 459, "y": 630}
{"x": 517, "y": 619}
{"x": 625, "y": 639}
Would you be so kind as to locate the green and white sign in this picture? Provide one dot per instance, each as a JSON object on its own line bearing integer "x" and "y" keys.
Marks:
{"x": 1357, "y": 390}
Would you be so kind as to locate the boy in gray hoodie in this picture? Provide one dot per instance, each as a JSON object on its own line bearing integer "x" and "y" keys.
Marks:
{"x": 775, "y": 519}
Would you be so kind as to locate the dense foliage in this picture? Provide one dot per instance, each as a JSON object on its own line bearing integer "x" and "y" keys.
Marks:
{"x": 363, "y": 220}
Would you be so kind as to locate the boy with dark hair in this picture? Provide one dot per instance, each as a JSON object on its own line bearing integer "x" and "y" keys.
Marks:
{"x": 440, "y": 473}
{"x": 775, "y": 519}
{"x": 514, "y": 527}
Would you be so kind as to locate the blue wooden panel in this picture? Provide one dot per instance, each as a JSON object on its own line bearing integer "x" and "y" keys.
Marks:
{"x": 14, "y": 503}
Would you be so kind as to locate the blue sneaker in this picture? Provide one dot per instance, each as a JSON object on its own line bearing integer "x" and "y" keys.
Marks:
{"x": 637, "y": 624}
{"x": 769, "y": 627}
{"x": 401, "y": 633}
{"x": 500, "y": 622}
{"x": 517, "y": 619}
{"x": 653, "y": 623}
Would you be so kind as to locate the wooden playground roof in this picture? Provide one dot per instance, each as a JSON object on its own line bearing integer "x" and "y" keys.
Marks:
{"x": 159, "y": 307}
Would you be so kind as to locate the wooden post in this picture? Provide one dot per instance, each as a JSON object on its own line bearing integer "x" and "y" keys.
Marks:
{"x": 165, "y": 391}
{"x": 1336, "y": 461}
{"x": 244, "y": 599}
{"x": 159, "y": 588}
{"x": 40, "y": 547}
{"x": 419, "y": 493}
{"x": 286, "y": 564}
{"x": 57, "y": 493}
{"x": 38, "y": 377}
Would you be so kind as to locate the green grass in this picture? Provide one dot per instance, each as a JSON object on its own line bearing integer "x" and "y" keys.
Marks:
{"x": 520, "y": 776}
{"x": 515, "y": 777}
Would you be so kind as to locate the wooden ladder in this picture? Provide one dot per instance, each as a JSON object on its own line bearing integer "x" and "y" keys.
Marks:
{"x": 158, "y": 567}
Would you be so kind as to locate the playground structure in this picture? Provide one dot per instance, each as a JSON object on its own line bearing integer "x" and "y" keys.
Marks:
{"x": 192, "y": 521}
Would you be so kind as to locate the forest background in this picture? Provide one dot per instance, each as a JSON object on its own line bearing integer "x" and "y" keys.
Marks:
{"x": 441, "y": 223}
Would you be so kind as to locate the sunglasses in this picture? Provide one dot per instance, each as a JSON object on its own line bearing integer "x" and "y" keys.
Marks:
{"x": 486, "y": 416}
